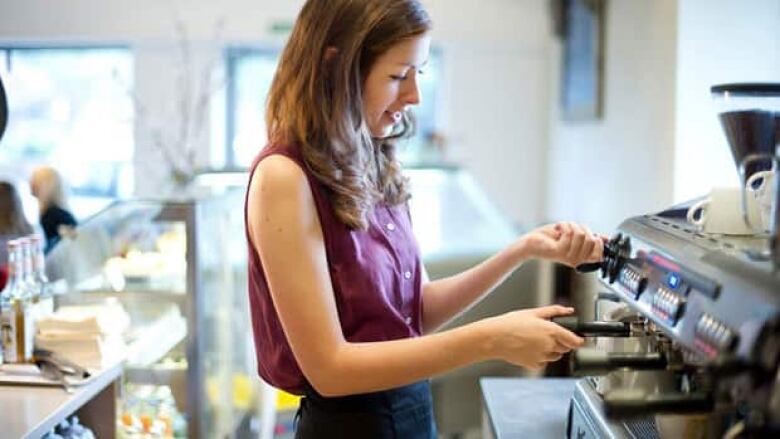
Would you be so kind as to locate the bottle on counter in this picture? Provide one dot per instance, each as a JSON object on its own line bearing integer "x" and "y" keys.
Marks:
{"x": 42, "y": 296}
{"x": 28, "y": 276}
{"x": 16, "y": 329}
{"x": 9, "y": 324}
{"x": 7, "y": 318}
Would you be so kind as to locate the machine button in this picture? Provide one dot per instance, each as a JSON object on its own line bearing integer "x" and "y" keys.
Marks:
{"x": 668, "y": 305}
{"x": 713, "y": 336}
{"x": 634, "y": 282}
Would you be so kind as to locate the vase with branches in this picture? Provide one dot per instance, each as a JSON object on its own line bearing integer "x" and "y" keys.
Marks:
{"x": 176, "y": 132}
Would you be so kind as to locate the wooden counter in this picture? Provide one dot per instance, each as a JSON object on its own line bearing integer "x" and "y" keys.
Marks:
{"x": 32, "y": 411}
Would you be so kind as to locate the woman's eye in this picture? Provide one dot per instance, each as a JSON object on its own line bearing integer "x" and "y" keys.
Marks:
{"x": 398, "y": 77}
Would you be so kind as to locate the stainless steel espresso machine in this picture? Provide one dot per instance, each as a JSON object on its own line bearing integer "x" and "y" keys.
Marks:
{"x": 687, "y": 338}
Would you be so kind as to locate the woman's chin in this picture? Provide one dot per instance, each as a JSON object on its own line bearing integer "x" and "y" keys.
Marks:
{"x": 382, "y": 132}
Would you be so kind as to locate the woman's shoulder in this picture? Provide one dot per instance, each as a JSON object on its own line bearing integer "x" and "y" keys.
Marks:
{"x": 60, "y": 214}
{"x": 278, "y": 149}
{"x": 278, "y": 165}
{"x": 277, "y": 174}
{"x": 278, "y": 169}
{"x": 279, "y": 184}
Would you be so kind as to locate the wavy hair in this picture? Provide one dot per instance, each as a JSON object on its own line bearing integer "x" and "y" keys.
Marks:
{"x": 12, "y": 220}
{"x": 315, "y": 100}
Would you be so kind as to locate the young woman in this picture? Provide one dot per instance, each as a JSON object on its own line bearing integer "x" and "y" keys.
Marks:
{"x": 342, "y": 310}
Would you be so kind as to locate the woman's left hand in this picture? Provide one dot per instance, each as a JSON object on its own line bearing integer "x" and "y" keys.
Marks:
{"x": 565, "y": 242}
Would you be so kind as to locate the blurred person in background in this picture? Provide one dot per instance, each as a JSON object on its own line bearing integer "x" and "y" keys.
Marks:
{"x": 47, "y": 186}
{"x": 13, "y": 224}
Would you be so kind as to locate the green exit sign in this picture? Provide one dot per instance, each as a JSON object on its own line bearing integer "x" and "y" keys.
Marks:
{"x": 281, "y": 27}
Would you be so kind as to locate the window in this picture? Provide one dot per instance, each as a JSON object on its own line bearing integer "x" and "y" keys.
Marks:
{"x": 250, "y": 72}
{"x": 70, "y": 108}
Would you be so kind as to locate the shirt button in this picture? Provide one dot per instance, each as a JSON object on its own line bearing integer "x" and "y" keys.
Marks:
{"x": 390, "y": 226}
{"x": 408, "y": 274}
{"x": 408, "y": 320}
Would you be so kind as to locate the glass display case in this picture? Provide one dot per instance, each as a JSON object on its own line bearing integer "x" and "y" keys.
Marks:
{"x": 179, "y": 270}
{"x": 452, "y": 215}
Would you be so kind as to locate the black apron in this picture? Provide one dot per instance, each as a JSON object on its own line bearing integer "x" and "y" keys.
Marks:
{"x": 401, "y": 413}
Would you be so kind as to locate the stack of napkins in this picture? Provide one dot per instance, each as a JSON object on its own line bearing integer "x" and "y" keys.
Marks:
{"x": 90, "y": 336}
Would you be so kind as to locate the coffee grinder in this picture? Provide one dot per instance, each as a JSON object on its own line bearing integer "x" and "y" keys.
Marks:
{"x": 750, "y": 116}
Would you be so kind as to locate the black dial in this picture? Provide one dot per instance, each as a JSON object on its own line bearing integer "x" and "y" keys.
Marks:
{"x": 616, "y": 252}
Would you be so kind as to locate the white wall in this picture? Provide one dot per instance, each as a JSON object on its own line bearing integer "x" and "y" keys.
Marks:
{"x": 496, "y": 73}
{"x": 720, "y": 41}
{"x": 603, "y": 171}
{"x": 497, "y": 67}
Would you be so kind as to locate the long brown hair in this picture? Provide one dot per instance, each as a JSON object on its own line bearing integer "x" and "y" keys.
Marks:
{"x": 12, "y": 220}
{"x": 315, "y": 101}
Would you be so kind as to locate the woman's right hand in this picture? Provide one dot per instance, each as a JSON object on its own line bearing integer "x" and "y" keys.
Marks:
{"x": 568, "y": 243}
{"x": 529, "y": 339}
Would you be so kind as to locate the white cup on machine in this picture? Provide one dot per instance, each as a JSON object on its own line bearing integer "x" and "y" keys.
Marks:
{"x": 760, "y": 186}
{"x": 721, "y": 212}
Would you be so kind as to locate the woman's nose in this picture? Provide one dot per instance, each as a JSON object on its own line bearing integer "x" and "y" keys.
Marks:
{"x": 412, "y": 94}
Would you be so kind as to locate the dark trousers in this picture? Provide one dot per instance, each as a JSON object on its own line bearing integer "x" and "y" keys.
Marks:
{"x": 402, "y": 413}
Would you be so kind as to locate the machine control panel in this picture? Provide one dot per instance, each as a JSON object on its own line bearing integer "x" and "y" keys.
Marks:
{"x": 713, "y": 337}
{"x": 668, "y": 304}
{"x": 632, "y": 280}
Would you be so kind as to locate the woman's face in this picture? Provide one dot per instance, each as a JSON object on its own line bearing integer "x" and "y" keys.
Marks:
{"x": 391, "y": 85}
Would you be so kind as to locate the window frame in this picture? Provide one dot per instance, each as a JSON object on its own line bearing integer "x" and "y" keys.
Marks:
{"x": 7, "y": 48}
{"x": 233, "y": 54}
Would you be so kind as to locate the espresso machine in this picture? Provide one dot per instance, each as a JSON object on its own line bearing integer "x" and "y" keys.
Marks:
{"x": 687, "y": 338}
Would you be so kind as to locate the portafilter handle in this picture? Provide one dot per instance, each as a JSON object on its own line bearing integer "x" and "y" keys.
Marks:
{"x": 595, "y": 361}
{"x": 594, "y": 328}
{"x": 627, "y": 402}
{"x": 589, "y": 268}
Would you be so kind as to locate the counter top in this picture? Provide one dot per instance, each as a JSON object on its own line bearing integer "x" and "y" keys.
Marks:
{"x": 527, "y": 407}
{"x": 32, "y": 411}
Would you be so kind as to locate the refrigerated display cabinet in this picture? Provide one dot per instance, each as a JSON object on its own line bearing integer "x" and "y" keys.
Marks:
{"x": 179, "y": 270}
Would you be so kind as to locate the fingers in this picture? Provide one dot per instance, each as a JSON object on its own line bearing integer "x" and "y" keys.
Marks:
{"x": 564, "y": 240}
{"x": 553, "y": 231}
{"x": 553, "y": 356}
{"x": 588, "y": 245}
{"x": 577, "y": 242}
{"x": 598, "y": 250}
{"x": 582, "y": 245}
{"x": 548, "y": 312}
{"x": 561, "y": 348}
{"x": 568, "y": 338}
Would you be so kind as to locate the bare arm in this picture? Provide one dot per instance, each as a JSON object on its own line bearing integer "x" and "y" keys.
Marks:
{"x": 285, "y": 230}
{"x": 446, "y": 298}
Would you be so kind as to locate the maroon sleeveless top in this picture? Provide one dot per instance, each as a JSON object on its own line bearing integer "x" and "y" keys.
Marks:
{"x": 375, "y": 273}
